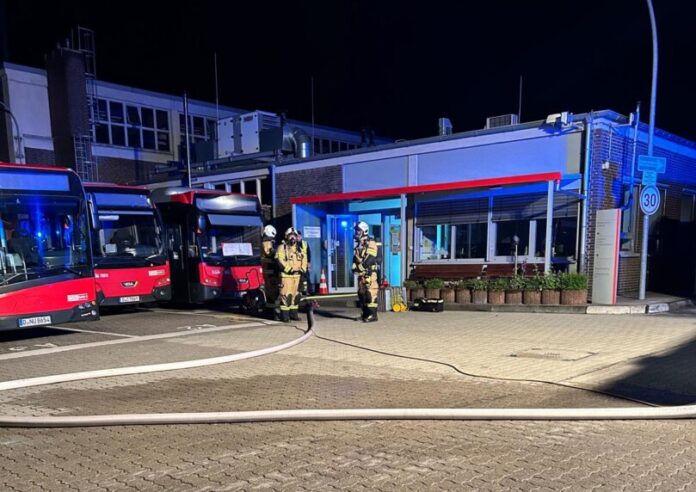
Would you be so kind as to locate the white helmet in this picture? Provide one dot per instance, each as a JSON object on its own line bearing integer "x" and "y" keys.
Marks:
{"x": 270, "y": 231}
{"x": 361, "y": 228}
{"x": 291, "y": 231}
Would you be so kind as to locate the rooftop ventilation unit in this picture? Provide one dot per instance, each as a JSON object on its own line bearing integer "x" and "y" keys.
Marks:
{"x": 503, "y": 120}
{"x": 444, "y": 127}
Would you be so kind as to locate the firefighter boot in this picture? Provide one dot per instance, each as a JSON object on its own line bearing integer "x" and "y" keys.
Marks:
{"x": 285, "y": 316}
{"x": 294, "y": 315}
{"x": 372, "y": 315}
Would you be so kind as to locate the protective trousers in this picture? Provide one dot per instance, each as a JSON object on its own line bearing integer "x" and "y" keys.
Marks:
{"x": 289, "y": 297}
{"x": 367, "y": 295}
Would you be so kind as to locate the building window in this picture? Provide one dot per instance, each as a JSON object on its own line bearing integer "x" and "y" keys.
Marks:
{"x": 200, "y": 129}
{"x": 470, "y": 241}
{"x": 317, "y": 146}
{"x": 628, "y": 221}
{"x": 433, "y": 242}
{"x": 687, "y": 208}
{"x": 506, "y": 231}
{"x": 564, "y": 232}
{"x": 136, "y": 126}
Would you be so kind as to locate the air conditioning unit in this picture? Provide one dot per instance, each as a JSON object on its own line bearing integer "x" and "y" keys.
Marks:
{"x": 502, "y": 120}
{"x": 242, "y": 134}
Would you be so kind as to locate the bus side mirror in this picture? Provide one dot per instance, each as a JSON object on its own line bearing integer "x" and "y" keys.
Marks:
{"x": 201, "y": 222}
{"x": 96, "y": 223}
{"x": 193, "y": 251}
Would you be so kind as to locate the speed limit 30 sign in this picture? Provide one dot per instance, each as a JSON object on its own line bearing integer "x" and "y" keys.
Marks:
{"x": 650, "y": 200}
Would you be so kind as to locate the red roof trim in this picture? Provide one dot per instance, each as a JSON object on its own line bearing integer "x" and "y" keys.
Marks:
{"x": 455, "y": 185}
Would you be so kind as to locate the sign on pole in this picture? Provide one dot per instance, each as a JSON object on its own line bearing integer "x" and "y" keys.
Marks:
{"x": 650, "y": 200}
{"x": 652, "y": 163}
{"x": 649, "y": 178}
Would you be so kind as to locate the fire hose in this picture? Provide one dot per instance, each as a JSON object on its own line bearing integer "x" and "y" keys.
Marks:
{"x": 543, "y": 414}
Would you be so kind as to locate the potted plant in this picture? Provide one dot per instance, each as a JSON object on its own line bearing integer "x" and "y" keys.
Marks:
{"x": 550, "y": 289}
{"x": 479, "y": 290}
{"x": 447, "y": 292}
{"x": 462, "y": 293}
{"x": 573, "y": 289}
{"x": 413, "y": 290}
{"x": 513, "y": 293}
{"x": 432, "y": 287}
{"x": 496, "y": 290}
{"x": 532, "y": 290}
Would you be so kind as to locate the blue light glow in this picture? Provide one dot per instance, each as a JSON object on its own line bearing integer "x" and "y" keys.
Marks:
{"x": 344, "y": 223}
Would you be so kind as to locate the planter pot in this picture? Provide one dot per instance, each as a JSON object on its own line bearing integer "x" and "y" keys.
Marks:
{"x": 550, "y": 297}
{"x": 432, "y": 293}
{"x": 462, "y": 296}
{"x": 513, "y": 297}
{"x": 574, "y": 297}
{"x": 479, "y": 296}
{"x": 447, "y": 295}
{"x": 416, "y": 293}
{"x": 496, "y": 297}
{"x": 532, "y": 297}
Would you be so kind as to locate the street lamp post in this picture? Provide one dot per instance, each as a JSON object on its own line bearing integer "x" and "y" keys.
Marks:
{"x": 651, "y": 134}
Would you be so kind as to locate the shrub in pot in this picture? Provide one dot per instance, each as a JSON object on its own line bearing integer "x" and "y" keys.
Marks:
{"x": 412, "y": 287}
{"x": 573, "y": 289}
{"x": 513, "y": 293}
{"x": 479, "y": 290}
{"x": 462, "y": 293}
{"x": 532, "y": 290}
{"x": 433, "y": 287}
{"x": 496, "y": 290}
{"x": 447, "y": 292}
{"x": 550, "y": 289}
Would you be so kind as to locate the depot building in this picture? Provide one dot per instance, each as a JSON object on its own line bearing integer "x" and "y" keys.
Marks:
{"x": 528, "y": 194}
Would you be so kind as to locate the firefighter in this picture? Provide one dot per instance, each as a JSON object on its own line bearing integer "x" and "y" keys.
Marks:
{"x": 303, "y": 246}
{"x": 293, "y": 264}
{"x": 270, "y": 267}
{"x": 365, "y": 264}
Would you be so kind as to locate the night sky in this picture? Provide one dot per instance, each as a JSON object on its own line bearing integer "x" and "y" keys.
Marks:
{"x": 395, "y": 66}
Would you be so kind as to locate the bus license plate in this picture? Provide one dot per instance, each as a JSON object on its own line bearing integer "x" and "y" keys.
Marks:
{"x": 129, "y": 299}
{"x": 36, "y": 321}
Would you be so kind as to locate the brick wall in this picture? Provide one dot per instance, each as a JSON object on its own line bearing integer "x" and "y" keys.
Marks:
{"x": 122, "y": 171}
{"x": 306, "y": 182}
{"x": 39, "y": 156}
{"x": 606, "y": 191}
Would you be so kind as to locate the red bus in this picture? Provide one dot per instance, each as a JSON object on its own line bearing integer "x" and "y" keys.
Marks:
{"x": 130, "y": 260}
{"x": 214, "y": 242}
{"x": 46, "y": 274}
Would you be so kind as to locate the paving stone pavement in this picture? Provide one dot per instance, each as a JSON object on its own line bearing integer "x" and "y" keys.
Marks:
{"x": 411, "y": 455}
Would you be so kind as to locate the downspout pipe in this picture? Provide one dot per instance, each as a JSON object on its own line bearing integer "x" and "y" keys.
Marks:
{"x": 586, "y": 192}
{"x": 636, "y": 126}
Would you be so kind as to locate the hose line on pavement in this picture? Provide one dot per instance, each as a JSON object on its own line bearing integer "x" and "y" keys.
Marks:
{"x": 543, "y": 414}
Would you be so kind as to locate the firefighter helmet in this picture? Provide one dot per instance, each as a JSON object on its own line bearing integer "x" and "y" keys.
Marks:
{"x": 361, "y": 229}
{"x": 270, "y": 231}
{"x": 291, "y": 231}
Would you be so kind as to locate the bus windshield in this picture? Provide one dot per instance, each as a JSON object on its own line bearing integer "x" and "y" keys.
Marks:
{"x": 42, "y": 236}
{"x": 125, "y": 236}
{"x": 230, "y": 240}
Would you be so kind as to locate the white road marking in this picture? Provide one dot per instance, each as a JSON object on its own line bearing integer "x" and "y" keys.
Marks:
{"x": 144, "y": 338}
{"x": 53, "y": 327}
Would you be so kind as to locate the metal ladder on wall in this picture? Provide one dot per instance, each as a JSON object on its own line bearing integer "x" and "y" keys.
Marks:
{"x": 84, "y": 161}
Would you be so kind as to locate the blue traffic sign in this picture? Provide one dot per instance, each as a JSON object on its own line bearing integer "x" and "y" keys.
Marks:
{"x": 652, "y": 163}
{"x": 649, "y": 178}
{"x": 649, "y": 200}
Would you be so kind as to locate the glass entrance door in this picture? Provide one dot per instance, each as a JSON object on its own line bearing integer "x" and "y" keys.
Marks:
{"x": 340, "y": 253}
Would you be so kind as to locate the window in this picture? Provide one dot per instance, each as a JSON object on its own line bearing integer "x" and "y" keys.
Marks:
{"x": 628, "y": 222}
{"x": 136, "y": 126}
{"x": 334, "y": 146}
{"x": 470, "y": 241}
{"x": 236, "y": 187}
{"x": 563, "y": 237}
{"x": 687, "y": 208}
{"x": 506, "y": 231}
{"x": 433, "y": 242}
{"x": 250, "y": 187}
{"x": 343, "y": 146}
{"x": 200, "y": 129}
{"x": 317, "y": 146}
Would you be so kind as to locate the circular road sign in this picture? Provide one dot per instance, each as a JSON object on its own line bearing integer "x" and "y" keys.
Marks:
{"x": 649, "y": 200}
